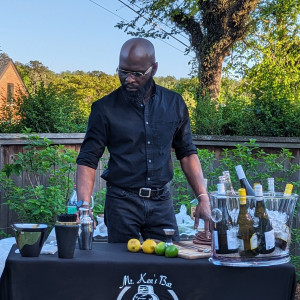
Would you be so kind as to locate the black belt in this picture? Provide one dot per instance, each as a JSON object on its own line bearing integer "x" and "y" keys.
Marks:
{"x": 146, "y": 192}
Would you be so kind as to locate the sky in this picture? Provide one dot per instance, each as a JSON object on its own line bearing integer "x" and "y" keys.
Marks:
{"x": 77, "y": 35}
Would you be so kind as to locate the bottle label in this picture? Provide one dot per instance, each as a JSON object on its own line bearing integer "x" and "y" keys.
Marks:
{"x": 71, "y": 209}
{"x": 253, "y": 241}
{"x": 232, "y": 241}
{"x": 270, "y": 239}
{"x": 216, "y": 241}
{"x": 284, "y": 234}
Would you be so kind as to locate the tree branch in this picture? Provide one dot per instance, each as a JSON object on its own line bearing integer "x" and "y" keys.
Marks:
{"x": 190, "y": 26}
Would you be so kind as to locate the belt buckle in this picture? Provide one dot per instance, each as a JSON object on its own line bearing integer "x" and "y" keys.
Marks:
{"x": 145, "y": 192}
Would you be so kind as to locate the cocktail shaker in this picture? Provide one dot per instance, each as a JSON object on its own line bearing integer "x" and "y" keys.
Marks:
{"x": 86, "y": 229}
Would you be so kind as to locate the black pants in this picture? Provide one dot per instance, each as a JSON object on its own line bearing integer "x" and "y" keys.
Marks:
{"x": 127, "y": 215}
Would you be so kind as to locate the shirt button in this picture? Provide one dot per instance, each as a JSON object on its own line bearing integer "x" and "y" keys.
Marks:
{"x": 148, "y": 142}
{"x": 149, "y": 178}
{"x": 147, "y": 122}
{"x": 142, "y": 105}
{"x": 150, "y": 160}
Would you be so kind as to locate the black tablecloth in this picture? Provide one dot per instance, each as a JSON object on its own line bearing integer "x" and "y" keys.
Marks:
{"x": 111, "y": 272}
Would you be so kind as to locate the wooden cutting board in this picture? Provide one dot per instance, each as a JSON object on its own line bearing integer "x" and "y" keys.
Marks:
{"x": 189, "y": 250}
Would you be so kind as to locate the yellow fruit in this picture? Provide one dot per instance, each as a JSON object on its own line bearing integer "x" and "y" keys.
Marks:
{"x": 148, "y": 246}
{"x": 133, "y": 245}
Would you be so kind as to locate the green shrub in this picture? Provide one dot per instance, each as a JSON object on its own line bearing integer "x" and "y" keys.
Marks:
{"x": 45, "y": 110}
{"x": 49, "y": 173}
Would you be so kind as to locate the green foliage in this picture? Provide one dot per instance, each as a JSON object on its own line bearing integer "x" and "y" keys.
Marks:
{"x": 4, "y": 235}
{"x": 46, "y": 110}
{"x": 181, "y": 194}
{"x": 48, "y": 171}
{"x": 238, "y": 112}
{"x": 49, "y": 111}
{"x": 258, "y": 165}
{"x": 55, "y": 102}
{"x": 268, "y": 62}
{"x": 99, "y": 199}
{"x": 86, "y": 87}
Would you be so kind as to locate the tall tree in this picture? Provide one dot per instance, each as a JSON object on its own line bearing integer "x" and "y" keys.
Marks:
{"x": 213, "y": 26}
{"x": 34, "y": 73}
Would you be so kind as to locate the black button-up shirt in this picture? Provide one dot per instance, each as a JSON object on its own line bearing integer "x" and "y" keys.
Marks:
{"x": 139, "y": 138}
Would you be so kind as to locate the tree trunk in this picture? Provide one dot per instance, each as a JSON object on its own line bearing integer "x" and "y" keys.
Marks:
{"x": 223, "y": 23}
{"x": 209, "y": 74}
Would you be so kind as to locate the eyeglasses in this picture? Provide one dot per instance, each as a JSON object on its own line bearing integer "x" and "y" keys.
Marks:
{"x": 125, "y": 73}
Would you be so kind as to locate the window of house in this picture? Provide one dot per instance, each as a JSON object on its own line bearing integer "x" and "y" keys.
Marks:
{"x": 10, "y": 91}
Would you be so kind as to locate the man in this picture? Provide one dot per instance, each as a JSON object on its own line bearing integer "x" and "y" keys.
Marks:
{"x": 139, "y": 123}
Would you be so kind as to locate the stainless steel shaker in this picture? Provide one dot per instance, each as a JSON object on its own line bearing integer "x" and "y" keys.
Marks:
{"x": 86, "y": 230}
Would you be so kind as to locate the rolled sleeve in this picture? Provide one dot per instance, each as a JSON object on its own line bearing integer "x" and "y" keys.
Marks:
{"x": 94, "y": 142}
{"x": 183, "y": 140}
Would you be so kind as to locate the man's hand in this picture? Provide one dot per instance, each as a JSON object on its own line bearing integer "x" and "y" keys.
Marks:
{"x": 203, "y": 212}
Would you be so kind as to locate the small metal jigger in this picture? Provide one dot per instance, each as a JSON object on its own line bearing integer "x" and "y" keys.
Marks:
{"x": 169, "y": 233}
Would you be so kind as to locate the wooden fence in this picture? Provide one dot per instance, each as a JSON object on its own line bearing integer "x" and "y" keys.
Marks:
{"x": 11, "y": 144}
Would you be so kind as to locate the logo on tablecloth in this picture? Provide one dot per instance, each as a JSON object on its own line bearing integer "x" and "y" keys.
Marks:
{"x": 146, "y": 287}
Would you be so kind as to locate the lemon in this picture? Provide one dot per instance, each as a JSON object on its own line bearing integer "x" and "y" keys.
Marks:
{"x": 160, "y": 248}
{"x": 133, "y": 245}
{"x": 171, "y": 251}
{"x": 148, "y": 246}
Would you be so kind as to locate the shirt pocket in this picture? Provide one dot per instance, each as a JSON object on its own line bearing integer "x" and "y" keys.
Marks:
{"x": 163, "y": 132}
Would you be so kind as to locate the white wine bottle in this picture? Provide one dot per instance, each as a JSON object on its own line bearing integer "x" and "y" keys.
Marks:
{"x": 283, "y": 236}
{"x": 248, "y": 243}
{"x": 225, "y": 239}
{"x": 228, "y": 184}
{"x": 271, "y": 191}
{"x": 285, "y": 202}
{"x": 265, "y": 231}
{"x": 243, "y": 180}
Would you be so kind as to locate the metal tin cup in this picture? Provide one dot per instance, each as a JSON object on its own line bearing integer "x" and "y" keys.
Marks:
{"x": 30, "y": 238}
{"x": 86, "y": 230}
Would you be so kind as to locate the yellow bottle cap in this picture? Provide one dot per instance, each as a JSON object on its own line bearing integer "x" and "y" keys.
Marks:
{"x": 288, "y": 189}
{"x": 242, "y": 194}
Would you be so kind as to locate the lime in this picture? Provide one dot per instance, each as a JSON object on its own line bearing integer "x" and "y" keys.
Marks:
{"x": 171, "y": 251}
{"x": 160, "y": 248}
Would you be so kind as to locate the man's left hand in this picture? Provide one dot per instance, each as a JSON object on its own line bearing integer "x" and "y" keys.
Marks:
{"x": 203, "y": 212}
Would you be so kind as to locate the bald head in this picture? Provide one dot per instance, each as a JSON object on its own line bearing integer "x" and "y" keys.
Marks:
{"x": 136, "y": 52}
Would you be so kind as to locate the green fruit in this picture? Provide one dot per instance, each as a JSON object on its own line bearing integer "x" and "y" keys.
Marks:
{"x": 160, "y": 248}
{"x": 171, "y": 251}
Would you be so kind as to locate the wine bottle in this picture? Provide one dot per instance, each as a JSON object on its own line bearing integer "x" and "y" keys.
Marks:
{"x": 265, "y": 231}
{"x": 283, "y": 235}
{"x": 248, "y": 243}
{"x": 285, "y": 202}
{"x": 243, "y": 180}
{"x": 271, "y": 192}
{"x": 228, "y": 184}
{"x": 271, "y": 186}
{"x": 225, "y": 240}
{"x": 222, "y": 179}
